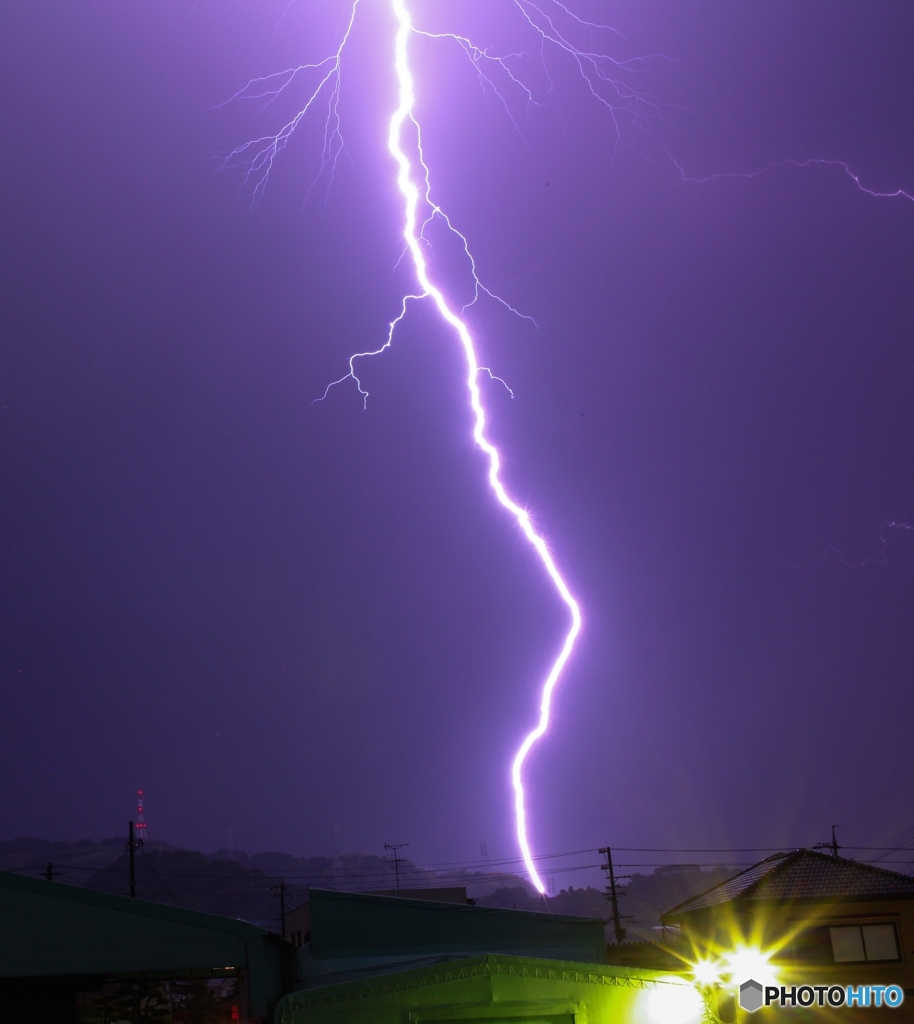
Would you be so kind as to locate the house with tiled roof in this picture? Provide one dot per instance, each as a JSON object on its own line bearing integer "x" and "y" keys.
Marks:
{"x": 823, "y": 919}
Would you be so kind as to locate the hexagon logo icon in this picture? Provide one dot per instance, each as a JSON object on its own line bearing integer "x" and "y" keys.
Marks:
{"x": 750, "y": 995}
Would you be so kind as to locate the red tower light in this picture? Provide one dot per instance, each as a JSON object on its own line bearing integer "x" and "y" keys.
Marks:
{"x": 140, "y": 826}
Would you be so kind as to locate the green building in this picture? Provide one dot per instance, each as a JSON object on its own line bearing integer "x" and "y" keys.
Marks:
{"x": 372, "y": 959}
{"x": 499, "y": 989}
{"x": 69, "y": 954}
{"x": 343, "y": 935}
{"x": 76, "y": 956}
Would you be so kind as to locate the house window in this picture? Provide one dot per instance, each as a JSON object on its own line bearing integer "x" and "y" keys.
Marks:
{"x": 854, "y": 944}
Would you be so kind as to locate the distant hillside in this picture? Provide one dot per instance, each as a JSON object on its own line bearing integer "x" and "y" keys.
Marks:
{"x": 234, "y": 885}
{"x": 348, "y": 871}
{"x": 649, "y": 896}
{"x": 74, "y": 861}
{"x": 645, "y": 897}
{"x": 365, "y": 872}
{"x": 185, "y": 878}
{"x": 588, "y": 902}
{"x": 246, "y": 885}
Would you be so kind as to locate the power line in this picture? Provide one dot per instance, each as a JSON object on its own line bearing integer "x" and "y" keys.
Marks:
{"x": 247, "y": 881}
{"x": 396, "y": 847}
{"x": 645, "y": 849}
{"x": 153, "y": 870}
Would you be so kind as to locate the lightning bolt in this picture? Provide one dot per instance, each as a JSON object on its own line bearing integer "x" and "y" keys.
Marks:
{"x": 414, "y": 189}
{"x": 609, "y": 82}
{"x": 605, "y": 79}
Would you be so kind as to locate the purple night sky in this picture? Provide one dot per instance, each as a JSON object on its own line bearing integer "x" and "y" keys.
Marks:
{"x": 275, "y": 616}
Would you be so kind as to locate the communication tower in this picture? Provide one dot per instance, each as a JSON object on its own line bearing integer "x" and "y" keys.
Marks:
{"x": 140, "y": 819}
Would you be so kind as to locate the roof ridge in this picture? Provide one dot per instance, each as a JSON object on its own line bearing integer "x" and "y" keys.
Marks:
{"x": 128, "y": 904}
{"x": 720, "y": 885}
{"x": 859, "y": 864}
{"x": 800, "y": 875}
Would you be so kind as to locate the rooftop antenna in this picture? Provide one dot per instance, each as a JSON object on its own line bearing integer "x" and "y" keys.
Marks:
{"x": 833, "y": 845}
{"x": 396, "y": 859}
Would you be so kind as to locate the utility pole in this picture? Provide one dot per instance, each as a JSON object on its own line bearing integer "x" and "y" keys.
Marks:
{"x": 336, "y": 865}
{"x": 612, "y": 893}
{"x": 280, "y": 891}
{"x": 395, "y": 847}
{"x": 49, "y": 872}
{"x": 133, "y": 844}
{"x": 833, "y": 845}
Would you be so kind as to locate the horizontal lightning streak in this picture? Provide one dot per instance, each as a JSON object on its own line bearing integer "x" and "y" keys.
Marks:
{"x": 899, "y": 193}
{"x": 412, "y": 233}
{"x": 833, "y": 555}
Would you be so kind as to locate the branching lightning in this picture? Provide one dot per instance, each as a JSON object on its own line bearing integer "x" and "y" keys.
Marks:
{"x": 833, "y": 556}
{"x": 258, "y": 155}
{"x": 414, "y": 194}
{"x": 504, "y": 76}
{"x": 607, "y": 81}
{"x": 899, "y": 193}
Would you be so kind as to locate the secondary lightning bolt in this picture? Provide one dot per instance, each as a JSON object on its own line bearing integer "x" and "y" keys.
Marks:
{"x": 899, "y": 193}
{"x": 259, "y": 155}
{"x": 833, "y": 555}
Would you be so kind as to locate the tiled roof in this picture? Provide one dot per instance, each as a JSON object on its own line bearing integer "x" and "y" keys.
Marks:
{"x": 802, "y": 875}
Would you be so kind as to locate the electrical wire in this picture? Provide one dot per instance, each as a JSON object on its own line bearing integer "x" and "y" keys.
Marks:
{"x": 153, "y": 870}
{"x": 246, "y": 884}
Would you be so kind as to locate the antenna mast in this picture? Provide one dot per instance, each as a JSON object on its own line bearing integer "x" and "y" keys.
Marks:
{"x": 140, "y": 824}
